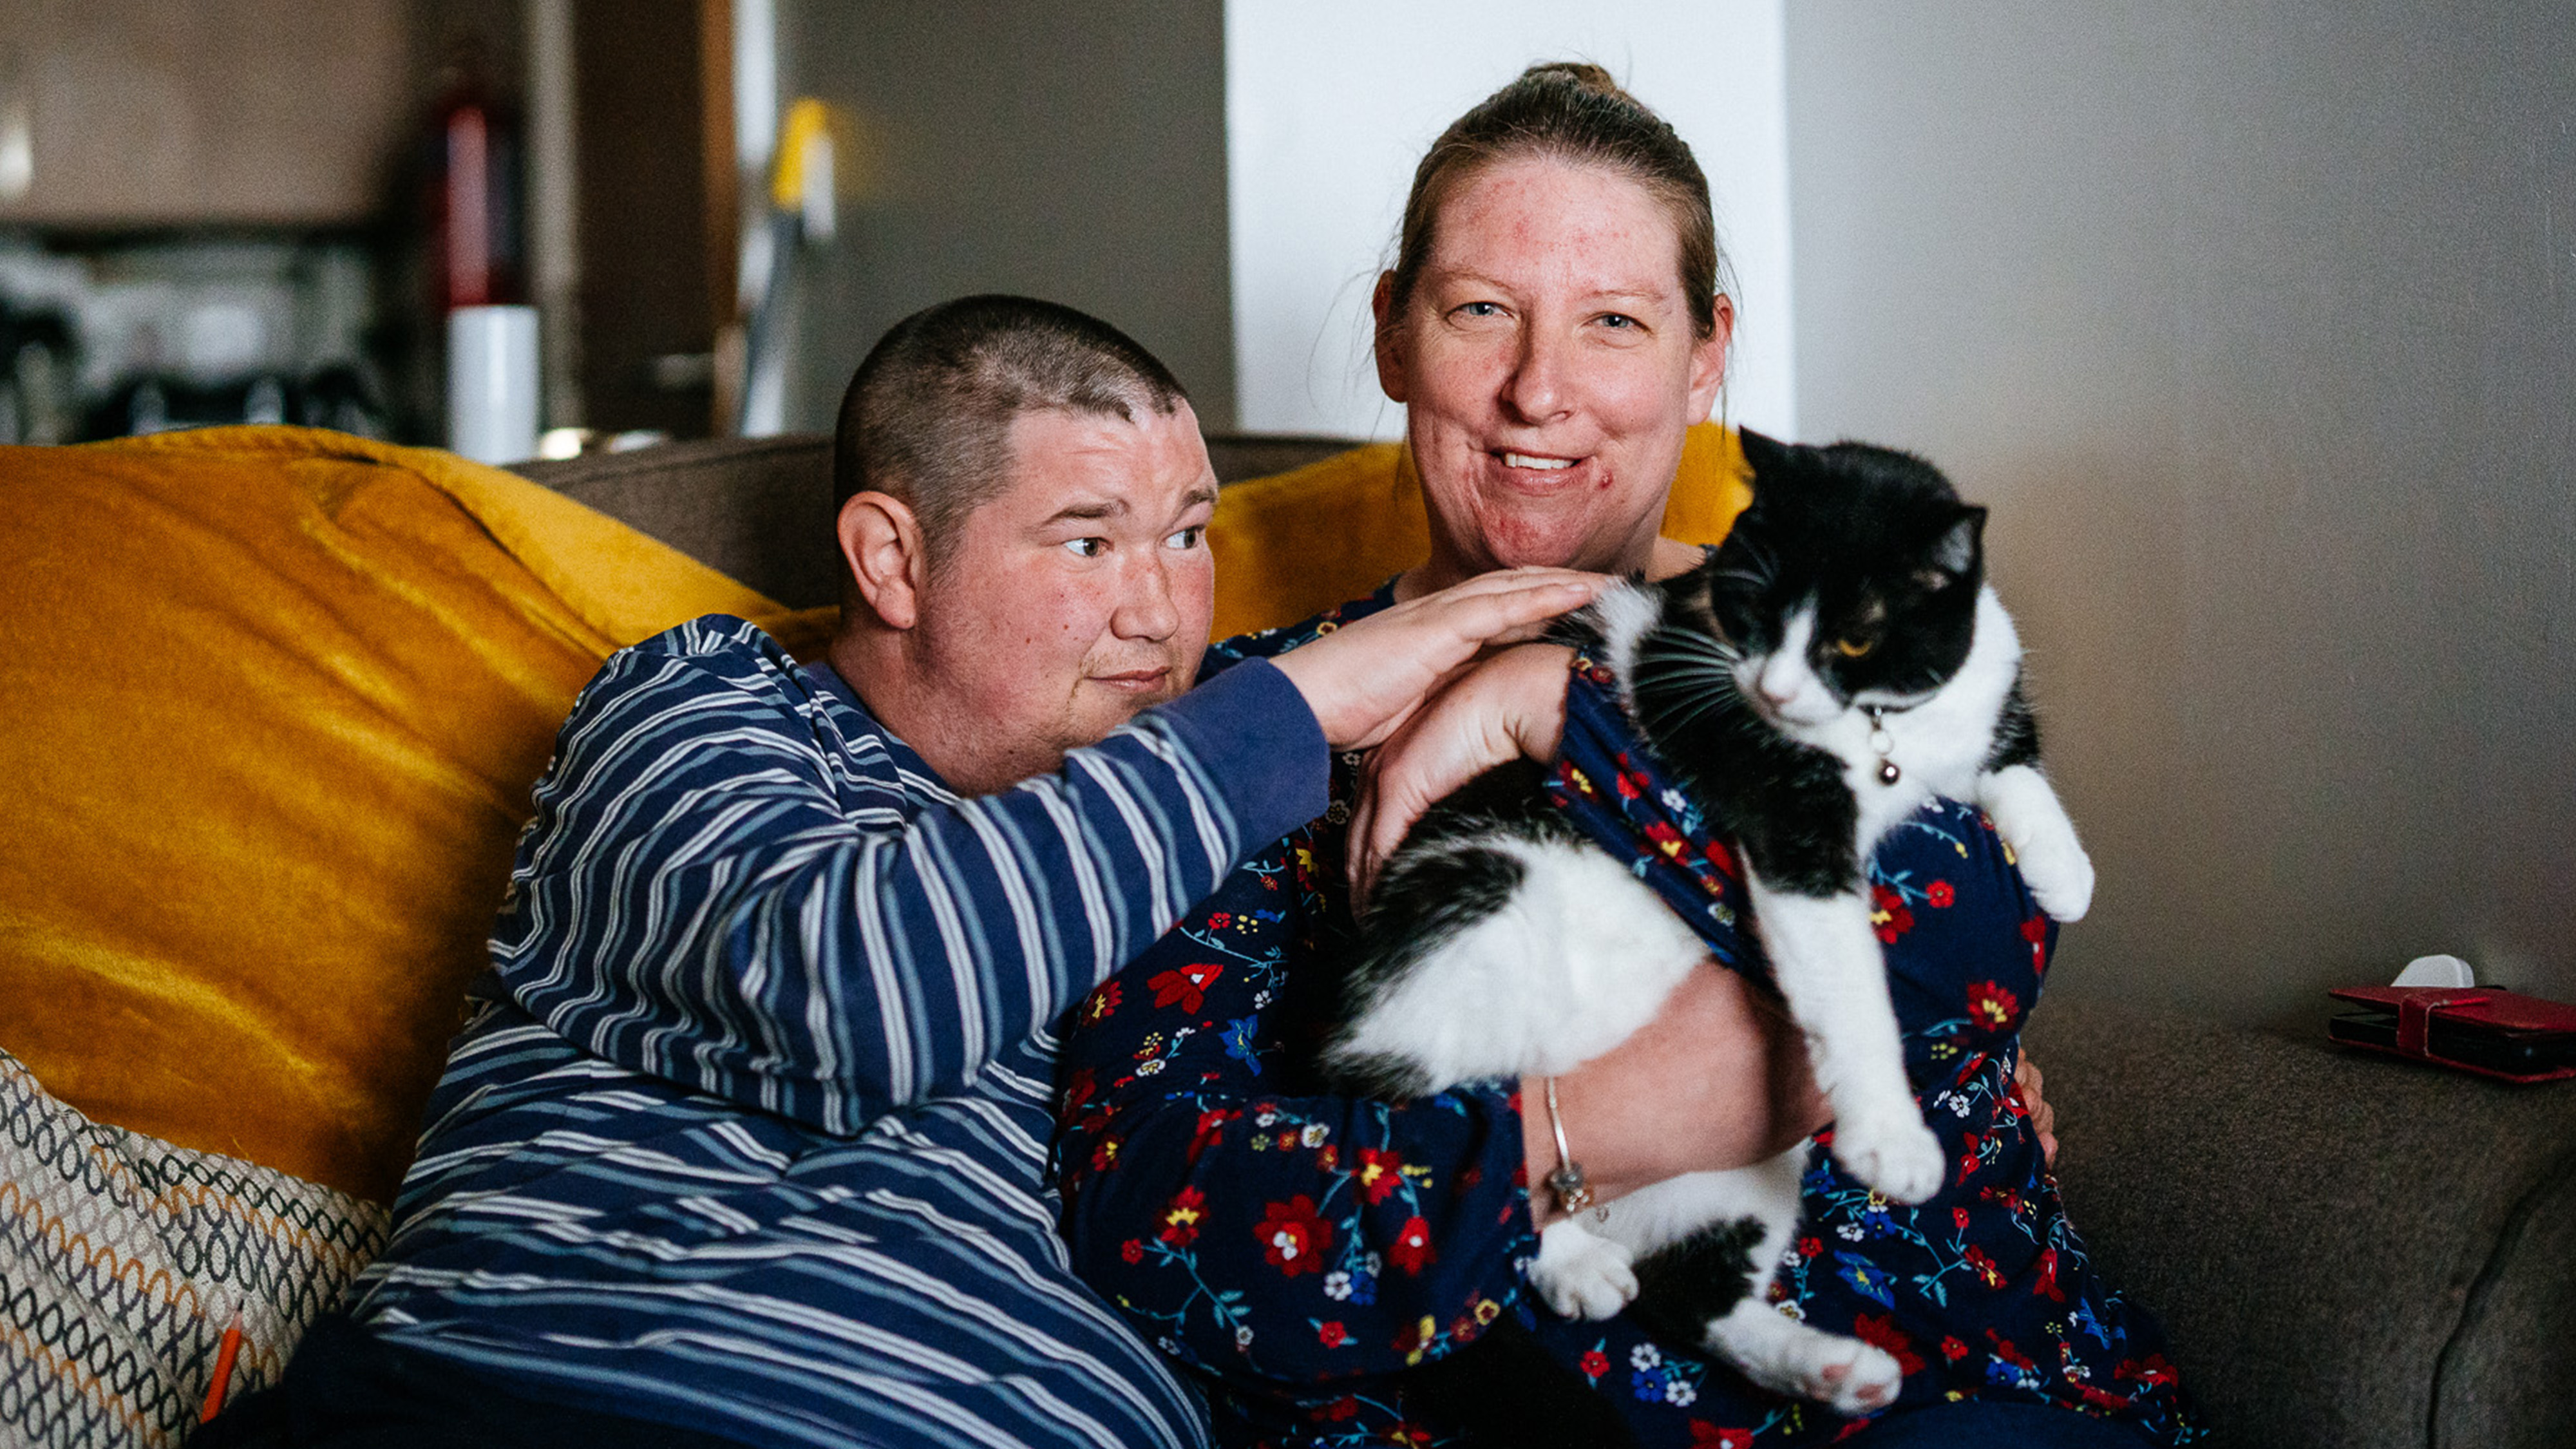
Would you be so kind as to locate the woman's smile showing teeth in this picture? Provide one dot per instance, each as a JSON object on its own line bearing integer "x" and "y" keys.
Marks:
{"x": 1540, "y": 475}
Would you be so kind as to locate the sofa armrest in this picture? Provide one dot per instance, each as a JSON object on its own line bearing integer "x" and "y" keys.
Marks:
{"x": 2347, "y": 1250}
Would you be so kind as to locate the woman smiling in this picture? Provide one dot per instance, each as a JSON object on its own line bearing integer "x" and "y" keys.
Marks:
{"x": 1554, "y": 325}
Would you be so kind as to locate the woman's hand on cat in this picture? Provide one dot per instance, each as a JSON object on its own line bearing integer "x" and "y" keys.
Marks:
{"x": 1511, "y": 705}
{"x": 1366, "y": 679}
{"x": 1718, "y": 1080}
{"x": 2043, "y": 1117}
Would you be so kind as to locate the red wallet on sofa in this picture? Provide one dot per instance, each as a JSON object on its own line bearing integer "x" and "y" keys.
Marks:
{"x": 2471, "y": 1028}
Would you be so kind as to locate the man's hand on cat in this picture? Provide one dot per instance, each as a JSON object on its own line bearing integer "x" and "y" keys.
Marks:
{"x": 1511, "y": 705}
{"x": 1718, "y": 1080}
{"x": 1364, "y": 680}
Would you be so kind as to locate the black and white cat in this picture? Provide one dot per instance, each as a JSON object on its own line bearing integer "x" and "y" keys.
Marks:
{"x": 1835, "y": 663}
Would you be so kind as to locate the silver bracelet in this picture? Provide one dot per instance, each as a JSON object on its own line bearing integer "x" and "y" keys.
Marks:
{"x": 1573, "y": 1194}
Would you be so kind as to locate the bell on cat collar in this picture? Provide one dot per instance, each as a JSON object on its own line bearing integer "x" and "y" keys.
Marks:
{"x": 1882, "y": 742}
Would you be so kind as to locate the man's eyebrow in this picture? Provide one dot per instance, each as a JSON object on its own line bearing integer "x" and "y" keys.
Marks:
{"x": 1088, "y": 509}
{"x": 1098, "y": 508}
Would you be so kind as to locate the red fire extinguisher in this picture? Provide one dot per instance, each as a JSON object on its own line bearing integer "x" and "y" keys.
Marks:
{"x": 476, "y": 253}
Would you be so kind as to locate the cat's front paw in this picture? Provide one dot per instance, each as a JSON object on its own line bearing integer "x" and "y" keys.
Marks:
{"x": 2033, "y": 823}
{"x": 1892, "y": 1153}
{"x": 1582, "y": 1275}
{"x": 2060, "y": 877}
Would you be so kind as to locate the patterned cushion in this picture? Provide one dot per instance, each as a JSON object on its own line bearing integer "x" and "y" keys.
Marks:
{"x": 123, "y": 1258}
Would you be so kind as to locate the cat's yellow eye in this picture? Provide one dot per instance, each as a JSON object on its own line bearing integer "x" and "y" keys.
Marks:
{"x": 1854, "y": 648}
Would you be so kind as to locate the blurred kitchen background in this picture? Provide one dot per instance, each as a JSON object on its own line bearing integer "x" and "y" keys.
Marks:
{"x": 264, "y": 210}
{"x": 272, "y": 210}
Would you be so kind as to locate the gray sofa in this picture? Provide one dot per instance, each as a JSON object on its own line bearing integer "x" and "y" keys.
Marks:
{"x": 2350, "y": 1252}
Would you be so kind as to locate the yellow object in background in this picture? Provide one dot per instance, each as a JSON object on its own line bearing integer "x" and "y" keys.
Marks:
{"x": 1290, "y": 546}
{"x": 275, "y": 698}
{"x": 805, "y": 160}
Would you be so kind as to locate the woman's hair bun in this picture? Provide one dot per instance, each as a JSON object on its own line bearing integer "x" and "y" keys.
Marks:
{"x": 1582, "y": 72}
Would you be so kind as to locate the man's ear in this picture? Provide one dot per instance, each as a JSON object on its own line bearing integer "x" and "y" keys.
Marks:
{"x": 1390, "y": 355}
{"x": 881, "y": 544}
{"x": 1708, "y": 360}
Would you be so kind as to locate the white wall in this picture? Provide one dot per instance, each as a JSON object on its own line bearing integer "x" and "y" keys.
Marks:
{"x": 1330, "y": 103}
{"x": 2255, "y": 323}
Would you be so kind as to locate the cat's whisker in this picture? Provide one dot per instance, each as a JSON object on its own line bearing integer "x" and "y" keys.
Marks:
{"x": 1690, "y": 647}
{"x": 1675, "y": 713}
{"x": 1683, "y": 676}
{"x": 1674, "y": 649}
{"x": 1689, "y": 639}
{"x": 1714, "y": 691}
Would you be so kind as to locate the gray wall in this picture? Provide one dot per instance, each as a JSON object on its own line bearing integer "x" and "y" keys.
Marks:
{"x": 1073, "y": 152}
{"x": 2256, "y": 322}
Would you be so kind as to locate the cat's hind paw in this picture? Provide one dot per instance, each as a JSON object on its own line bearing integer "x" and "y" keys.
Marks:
{"x": 1789, "y": 1357}
{"x": 1582, "y": 1275}
{"x": 1894, "y": 1154}
{"x": 1855, "y": 1377}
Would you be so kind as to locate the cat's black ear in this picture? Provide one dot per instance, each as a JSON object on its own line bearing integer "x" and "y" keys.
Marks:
{"x": 1764, "y": 454}
{"x": 1958, "y": 550}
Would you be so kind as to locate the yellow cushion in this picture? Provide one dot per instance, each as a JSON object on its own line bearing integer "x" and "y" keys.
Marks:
{"x": 1289, "y": 546}
{"x": 275, "y": 698}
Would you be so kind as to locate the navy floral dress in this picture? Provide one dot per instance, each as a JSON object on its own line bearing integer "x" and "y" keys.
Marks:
{"x": 1297, "y": 1250}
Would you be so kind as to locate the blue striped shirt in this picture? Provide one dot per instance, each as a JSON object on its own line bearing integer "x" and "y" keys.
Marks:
{"x": 747, "y": 1128}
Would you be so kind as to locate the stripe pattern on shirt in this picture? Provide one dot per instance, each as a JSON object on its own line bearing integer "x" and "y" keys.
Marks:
{"x": 748, "y": 1128}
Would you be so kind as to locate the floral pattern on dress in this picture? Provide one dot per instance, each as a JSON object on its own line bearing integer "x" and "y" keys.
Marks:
{"x": 1297, "y": 1250}
{"x": 1986, "y": 1289}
